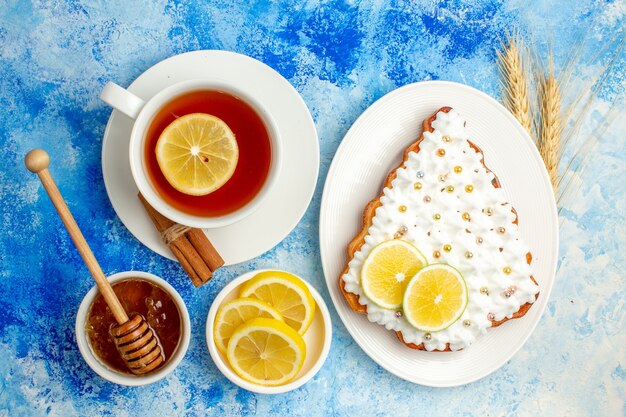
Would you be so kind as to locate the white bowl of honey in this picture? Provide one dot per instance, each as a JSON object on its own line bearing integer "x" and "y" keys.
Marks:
{"x": 140, "y": 293}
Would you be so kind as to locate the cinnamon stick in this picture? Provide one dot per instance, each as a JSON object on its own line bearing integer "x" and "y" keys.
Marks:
{"x": 195, "y": 278}
{"x": 193, "y": 249}
{"x": 205, "y": 248}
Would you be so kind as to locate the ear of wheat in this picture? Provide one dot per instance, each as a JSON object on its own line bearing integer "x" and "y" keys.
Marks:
{"x": 512, "y": 64}
{"x": 549, "y": 123}
{"x": 557, "y": 126}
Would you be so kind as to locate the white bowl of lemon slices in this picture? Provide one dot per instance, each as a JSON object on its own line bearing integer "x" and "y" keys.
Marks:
{"x": 268, "y": 331}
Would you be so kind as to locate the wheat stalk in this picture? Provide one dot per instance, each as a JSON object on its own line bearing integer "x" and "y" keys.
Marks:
{"x": 514, "y": 83}
{"x": 549, "y": 126}
{"x": 557, "y": 125}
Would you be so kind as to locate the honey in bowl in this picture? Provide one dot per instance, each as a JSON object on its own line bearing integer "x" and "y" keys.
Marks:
{"x": 253, "y": 141}
{"x": 137, "y": 297}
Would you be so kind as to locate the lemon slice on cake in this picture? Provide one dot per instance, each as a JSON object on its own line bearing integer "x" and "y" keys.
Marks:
{"x": 435, "y": 298}
{"x": 387, "y": 271}
{"x": 197, "y": 153}
{"x": 286, "y": 293}
{"x": 266, "y": 352}
{"x": 235, "y": 313}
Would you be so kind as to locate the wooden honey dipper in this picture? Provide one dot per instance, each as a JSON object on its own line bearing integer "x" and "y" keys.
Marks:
{"x": 134, "y": 339}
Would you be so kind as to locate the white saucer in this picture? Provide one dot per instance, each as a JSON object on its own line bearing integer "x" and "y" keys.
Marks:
{"x": 284, "y": 206}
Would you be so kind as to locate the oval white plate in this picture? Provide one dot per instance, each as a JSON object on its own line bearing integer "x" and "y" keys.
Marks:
{"x": 317, "y": 338}
{"x": 372, "y": 147}
{"x": 281, "y": 210}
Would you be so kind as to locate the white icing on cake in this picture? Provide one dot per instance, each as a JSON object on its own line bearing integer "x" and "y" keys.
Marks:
{"x": 488, "y": 264}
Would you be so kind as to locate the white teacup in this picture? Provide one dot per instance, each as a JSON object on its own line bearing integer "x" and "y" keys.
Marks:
{"x": 143, "y": 113}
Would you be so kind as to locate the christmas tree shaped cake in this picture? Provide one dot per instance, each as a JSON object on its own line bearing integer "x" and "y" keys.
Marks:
{"x": 439, "y": 259}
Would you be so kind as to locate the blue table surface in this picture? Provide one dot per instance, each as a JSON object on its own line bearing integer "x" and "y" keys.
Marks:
{"x": 341, "y": 56}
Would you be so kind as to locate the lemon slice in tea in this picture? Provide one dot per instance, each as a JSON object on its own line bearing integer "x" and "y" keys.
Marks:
{"x": 236, "y": 312}
{"x": 266, "y": 352}
{"x": 435, "y": 298}
{"x": 387, "y": 271}
{"x": 197, "y": 153}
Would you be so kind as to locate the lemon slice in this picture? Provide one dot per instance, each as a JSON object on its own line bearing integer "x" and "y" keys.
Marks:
{"x": 197, "y": 153}
{"x": 235, "y": 313}
{"x": 266, "y": 352}
{"x": 286, "y": 293}
{"x": 387, "y": 271}
{"x": 435, "y": 298}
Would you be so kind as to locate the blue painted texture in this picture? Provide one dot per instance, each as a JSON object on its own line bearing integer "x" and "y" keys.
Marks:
{"x": 55, "y": 56}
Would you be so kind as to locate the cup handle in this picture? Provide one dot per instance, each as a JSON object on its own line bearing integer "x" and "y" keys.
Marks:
{"x": 121, "y": 99}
